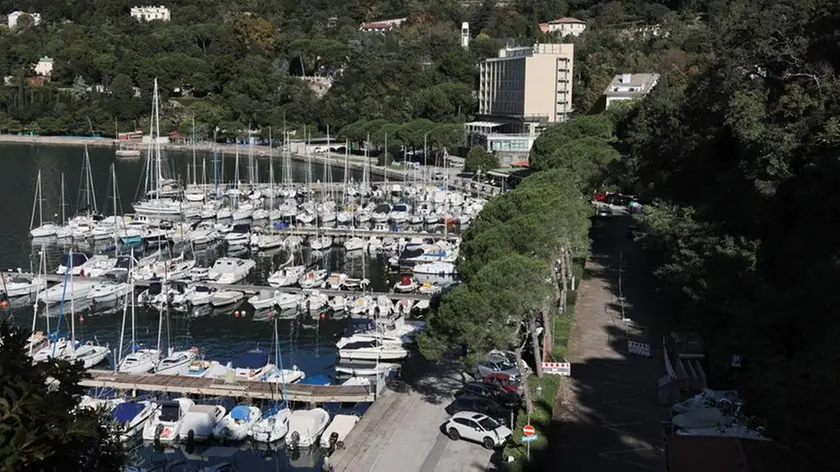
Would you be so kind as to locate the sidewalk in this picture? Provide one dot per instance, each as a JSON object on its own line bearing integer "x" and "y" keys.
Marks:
{"x": 607, "y": 414}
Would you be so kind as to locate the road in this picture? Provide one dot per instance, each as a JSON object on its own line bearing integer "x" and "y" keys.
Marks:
{"x": 401, "y": 432}
{"x": 607, "y": 415}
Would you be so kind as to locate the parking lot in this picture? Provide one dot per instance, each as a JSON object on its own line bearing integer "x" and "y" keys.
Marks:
{"x": 402, "y": 430}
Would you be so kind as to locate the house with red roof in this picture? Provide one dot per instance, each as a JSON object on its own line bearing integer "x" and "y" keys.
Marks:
{"x": 381, "y": 26}
{"x": 566, "y": 26}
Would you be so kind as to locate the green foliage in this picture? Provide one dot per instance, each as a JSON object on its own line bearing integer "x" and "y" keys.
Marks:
{"x": 478, "y": 159}
{"x": 743, "y": 240}
{"x": 37, "y": 429}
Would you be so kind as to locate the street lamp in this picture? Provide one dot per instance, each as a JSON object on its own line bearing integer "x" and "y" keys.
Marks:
{"x": 539, "y": 391}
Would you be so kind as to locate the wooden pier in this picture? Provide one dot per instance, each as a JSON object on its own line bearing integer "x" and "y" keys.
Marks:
{"x": 220, "y": 388}
{"x": 253, "y": 289}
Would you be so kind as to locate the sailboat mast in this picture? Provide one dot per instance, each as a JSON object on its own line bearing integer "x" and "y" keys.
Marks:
{"x": 35, "y": 200}
{"x": 270, "y": 175}
{"x": 195, "y": 168}
{"x": 62, "y": 199}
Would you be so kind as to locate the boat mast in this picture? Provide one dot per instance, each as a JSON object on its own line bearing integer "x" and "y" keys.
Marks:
{"x": 41, "y": 267}
{"x": 195, "y": 167}
{"x": 270, "y": 177}
{"x": 116, "y": 227}
{"x": 279, "y": 360}
{"x": 62, "y": 200}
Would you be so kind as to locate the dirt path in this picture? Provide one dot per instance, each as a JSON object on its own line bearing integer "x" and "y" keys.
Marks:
{"x": 607, "y": 414}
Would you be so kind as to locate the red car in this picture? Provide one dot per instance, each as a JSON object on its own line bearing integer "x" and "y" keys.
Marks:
{"x": 502, "y": 380}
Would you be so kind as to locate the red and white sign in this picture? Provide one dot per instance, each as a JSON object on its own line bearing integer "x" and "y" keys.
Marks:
{"x": 528, "y": 430}
{"x": 557, "y": 368}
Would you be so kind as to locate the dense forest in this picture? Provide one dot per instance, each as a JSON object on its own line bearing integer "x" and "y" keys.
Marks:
{"x": 235, "y": 65}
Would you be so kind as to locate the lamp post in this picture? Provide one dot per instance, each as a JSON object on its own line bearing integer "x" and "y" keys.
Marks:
{"x": 539, "y": 391}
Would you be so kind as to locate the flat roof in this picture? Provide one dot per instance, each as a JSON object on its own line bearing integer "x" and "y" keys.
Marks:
{"x": 484, "y": 124}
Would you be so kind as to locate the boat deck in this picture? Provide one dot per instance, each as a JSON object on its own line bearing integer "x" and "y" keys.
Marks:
{"x": 237, "y": 389}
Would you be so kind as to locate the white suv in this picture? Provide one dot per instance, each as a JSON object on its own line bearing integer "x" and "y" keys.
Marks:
{"x": 477, "y": 427}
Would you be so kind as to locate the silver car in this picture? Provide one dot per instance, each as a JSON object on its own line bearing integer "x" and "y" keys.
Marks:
{"x": 495, "y": 364}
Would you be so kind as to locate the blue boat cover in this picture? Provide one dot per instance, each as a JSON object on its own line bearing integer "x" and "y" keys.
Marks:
{"x": 241, "y": 412}
{"x": 317, "y": 379}
{"x": 255, "y": 359}
{"x": 281, "y": 226}
{"x": 127, "y": 411}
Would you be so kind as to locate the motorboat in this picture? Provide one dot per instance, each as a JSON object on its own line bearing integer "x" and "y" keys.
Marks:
{"x": 226, "y": 297}
{"x": 351, "y": 283}
{"x": 306, "y": 426}
{"x": 337, "y": 304}
{"x": 239, "y": 235}
{"x": 405, "y": 285}
{"x": 200, "y": 421}
{"x": 267, "y": 241}
{"x": 362, "y": 305}
{"x": 237, "y": 423}
{"x": 389, "y": 332}
{"x": 253, "y": 365}
{"x": 72, "y": 261}
{"x": 199, "y": 274}
{"x": 287, "y": 376}
{"x": 200, "y": 295}
{"x": 355, "y": 243}
{"x": 231, "y": 270}
{"x": 320, "y": 243}
{"x": 243, "y": 213}
{"x": 286, "y": 277}
{"x": 287, "y": 301}
{"x": 435, "y": 268}
{"x": 131, "y": 417}
{"x": 46, "y": 230}
{"x": 140, "y": 361}
{"x": 264, "y": 299}
{"x": 108, "y": 291}
{"x": 18, "y": 286}
{"x": 314, "y": 301}
{"x": 381, "y": 213}
{"x": 336, "y": 281}
{"x": 399, "y": 213}
{"x": 164, "y": 424}
{"x": 313, "y": 278}
{"x": 366, "y": 369}
{"x": 78, "y": 289}
{"x": 341, "y": 425}
{"x": 175, "y": 361}
{"x": 372, "y": 351}
{"x": 272, "y": 427}
{"x": 53, "y": 349}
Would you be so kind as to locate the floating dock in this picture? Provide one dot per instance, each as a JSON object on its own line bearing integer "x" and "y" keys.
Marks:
{"x": 220, "y": 388}
{"x": 252, "y": 289}
{"x": 345, "y": 233}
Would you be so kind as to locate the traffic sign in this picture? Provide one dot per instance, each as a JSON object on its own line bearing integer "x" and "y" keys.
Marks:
{"x": 528, "y": 430}
{"x": 557, "y": 368}
{"x": 527, "y": 439}
{"x": 736, "y": 360}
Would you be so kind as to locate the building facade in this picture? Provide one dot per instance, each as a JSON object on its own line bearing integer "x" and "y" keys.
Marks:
{"x": 527, "y": 84}
{"x": 567, "y": 26}
{"x": 148, "y": 13}
{"x": 522, "y": 91}
{"x": 44, "y": 67}
{"x": 15, "y": 16}
{"x": 629, "y": 86}
{"x": 382, "y": 26}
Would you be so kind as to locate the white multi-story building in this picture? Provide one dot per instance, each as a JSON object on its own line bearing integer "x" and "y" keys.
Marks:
{"x": 15, "y": 16}
{"x": 566, "y": 26}
{"x": 629, "y": 86}
{"x": 522, "y": 91}
{"x": 44, "y": 67}
{"x": 382, "y": 26}
{"x": 150, "y": 13}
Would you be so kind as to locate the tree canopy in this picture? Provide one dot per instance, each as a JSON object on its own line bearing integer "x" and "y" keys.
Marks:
{"x": 40, "y": 427}
{"x": 741, "y": 157}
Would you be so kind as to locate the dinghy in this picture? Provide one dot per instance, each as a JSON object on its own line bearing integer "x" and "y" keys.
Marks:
{"x": 238, "y": 423}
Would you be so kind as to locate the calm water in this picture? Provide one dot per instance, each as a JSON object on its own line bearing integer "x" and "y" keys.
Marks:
{"x": 304, "y": 342}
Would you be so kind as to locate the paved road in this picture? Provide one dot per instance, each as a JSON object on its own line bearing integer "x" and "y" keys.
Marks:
{"x": 608, "y": 416}
{"x": 401, "y": 432}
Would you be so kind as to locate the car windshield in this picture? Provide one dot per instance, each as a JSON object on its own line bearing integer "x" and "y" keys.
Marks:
{"x": 488, "y": 424}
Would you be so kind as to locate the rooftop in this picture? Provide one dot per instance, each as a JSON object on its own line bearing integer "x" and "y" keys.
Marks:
{"x": 631, "y": 84}
{"x": 566, "y": 20}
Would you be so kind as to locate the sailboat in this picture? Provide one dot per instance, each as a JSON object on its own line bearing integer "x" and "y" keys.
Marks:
{"x": 194, "y": 192}
{"x": 274, "y": 424}
{"x": 138, "y": 361}
{"x": 43, "y": 230}
{"x": 157, "y": 201}
{"x": 88, "y": 353}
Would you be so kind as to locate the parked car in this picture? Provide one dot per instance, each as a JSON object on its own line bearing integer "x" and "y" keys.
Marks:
{"x": 497, "y": 364}
{"x": 493, "y": 392}
{"x": 502, "y": 380}
{"x": 483, "y": 405}
{"x": 604, "y": 212}
{"x": 477, "y": 427}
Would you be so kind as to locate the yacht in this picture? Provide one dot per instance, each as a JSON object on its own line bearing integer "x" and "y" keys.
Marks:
{"x": 77, "y": 289}
{"x": 230, "y": 270}
{"x": 140, "y": 361}
{"x": 372, "y": 351}
{"x": 164, "y": 424}
{"x": 385, "y": 331}
{"x": 226, "y": 297}
{"x": 239, "y": 235}
{"x": 18, "y": 286}
{"x": 381, "y": 213}
{"x": 89, "y": 353}
{"x": 286, "y": 277}
{"x": 354, "y": 243}
{"x": 435, "y": 268}
{"x": 313, "y": 278}
{"x": 399, "y": 213}
{"x": 75, "y": 260}
{"x": 174, "y": 362}
{"x": 109, "y": 291}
